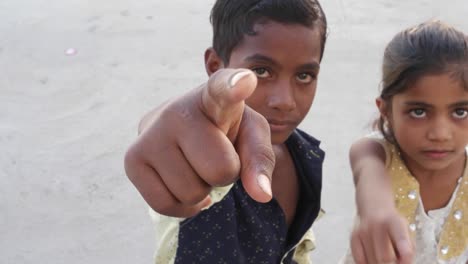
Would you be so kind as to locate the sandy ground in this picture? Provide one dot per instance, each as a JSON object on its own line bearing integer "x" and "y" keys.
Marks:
{"x": 66, "y": 119}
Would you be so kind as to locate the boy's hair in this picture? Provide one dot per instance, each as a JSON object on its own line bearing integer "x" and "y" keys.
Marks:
{"x": 232, "y": 19}
{"x": 427, "y": 49}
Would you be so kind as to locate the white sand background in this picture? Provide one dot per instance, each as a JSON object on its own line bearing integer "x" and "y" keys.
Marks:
{"x": 66, "y": 120}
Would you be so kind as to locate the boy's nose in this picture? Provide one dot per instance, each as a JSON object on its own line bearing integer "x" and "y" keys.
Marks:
{"x": 440, "y": 130}
{"x": 282, "y": 97}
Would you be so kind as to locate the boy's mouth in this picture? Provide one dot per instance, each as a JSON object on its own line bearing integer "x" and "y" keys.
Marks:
{"x": 281, "y": 125}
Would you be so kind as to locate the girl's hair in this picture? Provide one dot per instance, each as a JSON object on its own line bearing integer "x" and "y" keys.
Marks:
{"x": 233, "y": 19}
{"x": 430, "y": 48}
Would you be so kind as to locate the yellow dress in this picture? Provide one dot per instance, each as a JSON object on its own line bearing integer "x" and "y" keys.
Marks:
{"x": 453, "y": 240}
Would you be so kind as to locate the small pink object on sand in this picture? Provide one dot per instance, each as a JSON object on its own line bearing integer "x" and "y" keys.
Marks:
{"x": 70, "y": 51}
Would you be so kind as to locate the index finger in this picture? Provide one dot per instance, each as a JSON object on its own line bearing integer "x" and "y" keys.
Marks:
{"x": 401, "y": 239}
{"x": 223, "y": 98}
{"x": 357, "y": 248}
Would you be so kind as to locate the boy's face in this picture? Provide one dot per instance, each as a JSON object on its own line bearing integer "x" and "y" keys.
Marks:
{"x": 285, "y": 58}
{"x": 430, "y": 123}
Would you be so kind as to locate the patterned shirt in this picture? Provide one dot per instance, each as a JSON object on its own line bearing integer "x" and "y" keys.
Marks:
{"x": 237, "y": 229}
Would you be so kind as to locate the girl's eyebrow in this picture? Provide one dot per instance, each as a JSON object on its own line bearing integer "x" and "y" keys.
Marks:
{"x": 426, "y": 105}
{"x": 417, "y": 103}
{"x": 459, "y": 104}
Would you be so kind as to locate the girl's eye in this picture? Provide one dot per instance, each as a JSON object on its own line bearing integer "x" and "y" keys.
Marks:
{"x": 305, "y": 77}
{"x": 460, "y": 113}
{"x": 418, "y": 113}
{"x": 261, "y": 72}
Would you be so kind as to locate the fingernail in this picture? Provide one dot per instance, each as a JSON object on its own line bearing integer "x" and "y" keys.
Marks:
{"x": 207, "y": 203}
{"x": 238, "y": 76}
{"x": 264, "y": 183}
{"x": 404, "y": 245}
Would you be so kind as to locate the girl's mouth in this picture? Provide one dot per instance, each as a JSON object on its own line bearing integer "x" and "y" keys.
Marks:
{"x": 436, "y": 154}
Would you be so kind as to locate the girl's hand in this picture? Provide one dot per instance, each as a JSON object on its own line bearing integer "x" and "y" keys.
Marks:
{"x": 382, "y": 237}
{"x": 381, "y": 234}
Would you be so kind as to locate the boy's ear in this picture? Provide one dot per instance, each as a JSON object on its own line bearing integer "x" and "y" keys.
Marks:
{"x": 212, "y": 61}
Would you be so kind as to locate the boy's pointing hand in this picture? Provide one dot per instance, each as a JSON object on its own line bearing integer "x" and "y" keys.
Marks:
{"x": 206, "y": 138}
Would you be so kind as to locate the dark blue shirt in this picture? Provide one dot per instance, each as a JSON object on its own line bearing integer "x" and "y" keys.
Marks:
{"x": 238, "y": 229}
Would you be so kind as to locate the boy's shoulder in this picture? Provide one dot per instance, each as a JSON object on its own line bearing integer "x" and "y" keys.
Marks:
{"x": 308, "y": 159}
{"x": 303, "y": 144}
{"x": 298, "y": 133}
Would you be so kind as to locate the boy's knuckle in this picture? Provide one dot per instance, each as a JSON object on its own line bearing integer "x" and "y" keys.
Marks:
{"x": 128, "y": 161}
{"x": 165, "y": 207}
{"x": 214, "y": 89}
{"x": 265, "y": 157}
{"x": 193, "y": 197}
{"x": 131, "y": 160}
{"x": 222, "y": 172}
{"x": 216, "y": 82}
{"x": 178, "y": 113}
{"x": 226, "y": 176}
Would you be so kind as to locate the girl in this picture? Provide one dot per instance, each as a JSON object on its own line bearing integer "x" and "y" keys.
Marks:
{"x": 422, "y": 142}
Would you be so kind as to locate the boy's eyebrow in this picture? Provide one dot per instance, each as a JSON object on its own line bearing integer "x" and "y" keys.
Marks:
{"x": 259, "y": 57}
{"x": 311, "y": 66}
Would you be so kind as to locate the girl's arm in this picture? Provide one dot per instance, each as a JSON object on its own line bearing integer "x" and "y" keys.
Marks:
{"x": 381, "y": 235}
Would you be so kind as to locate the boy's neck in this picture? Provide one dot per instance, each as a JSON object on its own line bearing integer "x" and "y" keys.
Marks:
{"x": 285, "y": 182}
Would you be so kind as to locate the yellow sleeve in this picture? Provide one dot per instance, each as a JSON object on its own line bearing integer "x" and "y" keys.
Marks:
{"x": 167, "y": 229}
{"x": 304, "y": 248}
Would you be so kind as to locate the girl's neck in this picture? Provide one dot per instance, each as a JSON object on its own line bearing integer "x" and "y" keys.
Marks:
{"x": 447, "y": 175}
{"x": 436, "y": 187}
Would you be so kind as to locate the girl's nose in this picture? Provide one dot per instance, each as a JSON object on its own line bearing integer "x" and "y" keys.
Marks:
{"x": 440, "y": 130}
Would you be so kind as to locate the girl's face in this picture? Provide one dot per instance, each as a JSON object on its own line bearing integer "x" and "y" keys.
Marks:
{"x": 430, "y": 123}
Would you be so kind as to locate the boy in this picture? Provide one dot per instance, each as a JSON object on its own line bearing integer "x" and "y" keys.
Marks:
{"x": 239, "y": 131}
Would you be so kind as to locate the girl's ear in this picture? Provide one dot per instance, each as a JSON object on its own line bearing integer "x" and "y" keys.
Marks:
{"x": 212, "y": 61}
{"x": 383, "y": 107}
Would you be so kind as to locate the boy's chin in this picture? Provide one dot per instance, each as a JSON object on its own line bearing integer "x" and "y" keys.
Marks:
{"x": 277, "y": 139}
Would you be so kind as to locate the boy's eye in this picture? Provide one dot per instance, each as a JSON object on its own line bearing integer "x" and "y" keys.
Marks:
{"x": 418, "y": 113}
{"x": 305, "y": 77}
{"x": 261, "y": 72}
{"x": 460, "y": 113}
